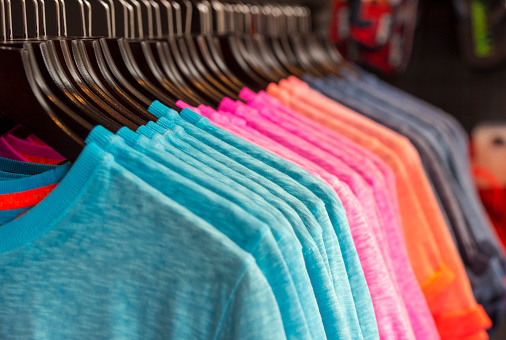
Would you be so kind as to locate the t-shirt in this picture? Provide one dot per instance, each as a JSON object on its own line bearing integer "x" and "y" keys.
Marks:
{"x": 251, "y": 201}
{"x": 106, "y": 254}
{"x": 248, "y": 232}
{"x": 472, "y": 234}
{"x": 200, "y": 148}
{"x": 390, "y": 310}
{"x": 382, "y": 182}
{"x": 30, "y": 149}
{"x": 418, "y": 236}
{"x": 215, "y": 181}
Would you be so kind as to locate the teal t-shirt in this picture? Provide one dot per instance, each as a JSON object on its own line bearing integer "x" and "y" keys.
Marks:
{"x": 330, "y": 243}
{"x": 330, "y": 309}
{"x": 109, "y": 255}
{"x": 247, "y": 231}
{"x": 250, "y": 201}
{"x": 334, "y": 207}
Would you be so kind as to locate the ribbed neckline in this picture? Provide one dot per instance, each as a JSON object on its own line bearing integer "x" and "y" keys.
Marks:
{"x": 26, "y": 168}
{"x": 159, "y": 110}
{"x": 45, "y": 178}
{"x": 156, "y": 127}
{"x": 128, "y": 135}
{"x": 144, "y": 130}
{"x": 44, "y": 215}
{"x": 247, "y": 94}
{"x": 192, "y": 117}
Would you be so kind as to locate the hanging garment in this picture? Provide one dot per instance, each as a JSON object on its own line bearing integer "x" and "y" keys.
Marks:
{"x": 128, "y": 252}
{"x": 475, "y": 314}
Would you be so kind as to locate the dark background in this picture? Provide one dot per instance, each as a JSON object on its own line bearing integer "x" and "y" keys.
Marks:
{"x": 438, "y": 73}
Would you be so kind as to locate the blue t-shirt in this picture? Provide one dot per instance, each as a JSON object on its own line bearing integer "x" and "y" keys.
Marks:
{"x": 248, "y": 232}
{"x": 250, "y": 201}
{"x": 318, "y": 270}
{"x": 200, "y": 128}
{"x": 105, "y": 254}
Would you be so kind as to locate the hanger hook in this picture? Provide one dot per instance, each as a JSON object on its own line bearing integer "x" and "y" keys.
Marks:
{"x": 24, "y": 19}
{"x": 189, "y": 16}
{"x": 231, "y": 18}
{"x": 179, "y": 17}
{"x": 64, "y": 16}
{"x": 129, "y": 20}
{"x": 266, "y": 11}
{"x": 37, "y": 17}
{"x": 138, "y": 10}
{"x": 158, "y": 18}
{"x": 256, "y": 18}
{"x": 278, "y": 19}
{"x": 83, "y": 16}
{"x": 58, "y": 19}
{"x": 88, "y": 6}
{"x": 113, "y": 18}
{"x": 4, "y": 26}
{"x": 107, "y": 9}
{"x": 150, "y": 17}
{"x": 221, "y": 17}
{"x": 43, "y": 12}
{"x": 307, "y": 18}
{"x": 248, "y": 18}
{"x": 203, "y": 16}
{"x": 291, "y": 22}
{"x": 170, "y": 23}
{"x": 108, "y": 14}
{"x": 10, "y": 33}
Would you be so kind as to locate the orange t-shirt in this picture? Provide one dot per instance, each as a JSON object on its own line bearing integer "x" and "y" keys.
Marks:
{"x": 433, "y": 255}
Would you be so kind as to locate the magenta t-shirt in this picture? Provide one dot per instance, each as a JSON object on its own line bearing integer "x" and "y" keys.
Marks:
{"x": 382, "y": 181}
{"x": 393, "y": 321}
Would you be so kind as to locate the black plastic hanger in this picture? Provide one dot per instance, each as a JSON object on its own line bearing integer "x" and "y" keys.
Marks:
{"x": 179, "y": 59}
{"x": 206, "y": 47}
{"x": 254, "y": 44}
{"x": 58, "y": 59}
{"x": 103, "y": 83}
{"x": 316, "y": 49}
{"x": 123, "y": 61}
{"x": 72, "y": 80}
{"x": 230, "y": 50}
{"x": 197, "y": 23}
{"x": 241, "y": 40}
{"x": 264, "y": 24}
{"x": 49, "y": 72}
{"x": 162, "y": 64}
{"x": 89, "y": 72}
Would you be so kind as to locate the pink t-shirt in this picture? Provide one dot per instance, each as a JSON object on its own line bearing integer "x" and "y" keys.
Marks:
{"x": 392, "y": 318}
{"x": 31, "y": 149}
{"x": 391, "y": 228}
{"x": 432, "y": 253}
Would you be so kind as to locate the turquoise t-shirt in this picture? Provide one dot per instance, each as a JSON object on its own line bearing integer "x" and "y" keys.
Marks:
{"x": 248, "y": 232}
{"x": 330, "y": 309}
{"x": 334, "y": 207}
{"x": 107, "y": 254}
{"x": 250, "y": 201}
{"x": 299, "y": 285}
{"x": 335, "y": 258}
{"x": 215, "y": 181}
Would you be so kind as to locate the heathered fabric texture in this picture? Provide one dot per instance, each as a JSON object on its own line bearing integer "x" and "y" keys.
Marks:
{"x": 104, "y": 254}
